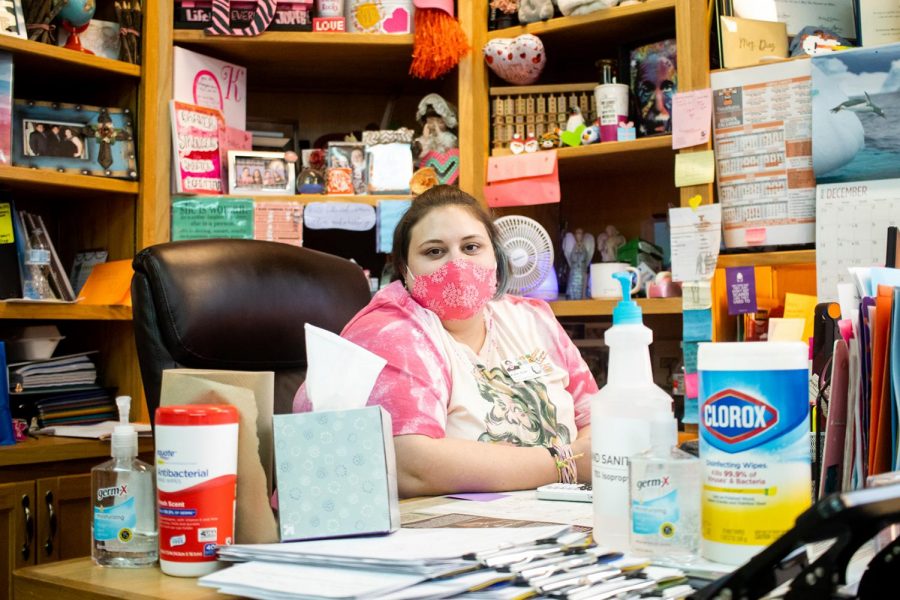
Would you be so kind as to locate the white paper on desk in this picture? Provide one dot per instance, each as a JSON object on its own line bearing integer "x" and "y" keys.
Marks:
{"x": 696, "y": 235}
{"x": 404, "y": 547}
{"x": 259, "y": 579}
{"x": 96, "y": 431}
{"x": 522, "y": 505}
{"x": 340, "y": 374}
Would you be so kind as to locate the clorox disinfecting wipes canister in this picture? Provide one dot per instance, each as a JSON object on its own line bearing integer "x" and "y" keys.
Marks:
{"x": 754, "y": 444}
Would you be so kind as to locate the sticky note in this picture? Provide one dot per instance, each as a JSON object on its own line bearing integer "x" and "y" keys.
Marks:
{"x": 694, "y": 168}
{"x": 691, "y": 411}
{"x": 691, "y": 383}
{"x": 6, "y": 228}
{"x": 740, "y": 286}
{"x": 696, "y": 295}
{"x": 697, "y": 325}
{"x": 691, "y": 118}
{"x": 689, "y": 349}
{"x": 801, "y": 306}
{"x": 389, "y": 214}
{"x": 786, "y": 330}
{"x": 755, "y": 236}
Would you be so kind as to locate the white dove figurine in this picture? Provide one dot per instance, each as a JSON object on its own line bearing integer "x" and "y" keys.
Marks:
{"x": 575, "y": 120}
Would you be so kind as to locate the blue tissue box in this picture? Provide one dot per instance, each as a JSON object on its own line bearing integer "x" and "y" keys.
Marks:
{"x": 336, "y": 474}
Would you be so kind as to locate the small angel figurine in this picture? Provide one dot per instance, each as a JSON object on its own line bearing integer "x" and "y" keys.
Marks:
{"x": 578, "y": 249}
{"x": 609, "y": 242}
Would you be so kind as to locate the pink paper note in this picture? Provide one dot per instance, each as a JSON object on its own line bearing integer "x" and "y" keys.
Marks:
{"x": 691, "y": 385}
{"x": 691, "y": 118}
{"x": 755, "y": 236}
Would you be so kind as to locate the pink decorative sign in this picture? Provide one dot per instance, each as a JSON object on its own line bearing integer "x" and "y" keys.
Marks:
{"x": 195, "y": 147}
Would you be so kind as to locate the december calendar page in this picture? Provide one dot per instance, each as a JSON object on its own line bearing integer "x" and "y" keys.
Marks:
{"x": 852, "y": 219}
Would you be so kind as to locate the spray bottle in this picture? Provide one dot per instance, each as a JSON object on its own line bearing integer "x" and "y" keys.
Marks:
{"x": 621, "y": 414}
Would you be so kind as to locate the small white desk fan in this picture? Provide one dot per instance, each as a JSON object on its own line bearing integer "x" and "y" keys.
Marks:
{"x": 530, "y": 252}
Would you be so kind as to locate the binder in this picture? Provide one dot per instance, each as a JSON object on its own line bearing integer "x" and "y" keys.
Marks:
{"x": 10, "y": 265}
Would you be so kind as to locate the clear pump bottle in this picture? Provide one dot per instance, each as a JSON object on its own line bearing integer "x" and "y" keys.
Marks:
{"x": 665, "y": 496}
{"x": 123, "y": 528}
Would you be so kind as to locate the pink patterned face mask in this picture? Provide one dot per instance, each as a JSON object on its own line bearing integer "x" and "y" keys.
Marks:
{"x": 456, "y": 291}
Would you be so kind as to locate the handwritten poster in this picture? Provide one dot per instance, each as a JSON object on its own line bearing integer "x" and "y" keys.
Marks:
{"x": 197, "y": 162}
{"x": 352, "y": 216}
{"x": 217, "y": 84}
{"x": 205, "y": 218}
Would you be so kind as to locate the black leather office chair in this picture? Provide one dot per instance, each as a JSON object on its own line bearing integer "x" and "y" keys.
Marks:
{"x": 237, "y": 304}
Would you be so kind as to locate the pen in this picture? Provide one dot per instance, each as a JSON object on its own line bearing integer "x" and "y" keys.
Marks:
{"x": 565, "y": 538}
{"x": 610, "y": 589}
{"x": 580, "y": 576}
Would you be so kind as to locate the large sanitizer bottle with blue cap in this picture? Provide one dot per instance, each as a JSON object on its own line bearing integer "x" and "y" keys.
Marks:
{"x": 621, "y": 414}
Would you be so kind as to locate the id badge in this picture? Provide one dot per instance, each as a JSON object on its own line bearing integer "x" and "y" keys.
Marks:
{"x": 522, "y": 370}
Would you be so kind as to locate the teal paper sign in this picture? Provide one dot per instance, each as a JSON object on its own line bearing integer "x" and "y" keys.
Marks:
{"x": 205, "y": 218}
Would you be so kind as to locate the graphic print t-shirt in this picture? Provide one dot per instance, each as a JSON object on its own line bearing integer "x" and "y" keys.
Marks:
{"x": 435, "y": 386}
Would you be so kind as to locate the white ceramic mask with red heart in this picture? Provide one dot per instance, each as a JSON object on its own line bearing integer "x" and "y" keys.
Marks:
{"x": 517, "y": 60}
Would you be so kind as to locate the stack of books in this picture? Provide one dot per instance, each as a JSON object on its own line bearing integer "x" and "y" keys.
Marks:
{"x": 61, "y": 390}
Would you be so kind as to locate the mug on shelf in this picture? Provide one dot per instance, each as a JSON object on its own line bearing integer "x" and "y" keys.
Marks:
{"x": 604, "y": 286}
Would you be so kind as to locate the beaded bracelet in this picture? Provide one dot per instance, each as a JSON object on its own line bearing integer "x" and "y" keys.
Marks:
{"x": 565, "y": 462}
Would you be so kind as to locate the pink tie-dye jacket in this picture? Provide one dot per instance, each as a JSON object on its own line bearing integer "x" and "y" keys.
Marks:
{"x": 435, "y": 386}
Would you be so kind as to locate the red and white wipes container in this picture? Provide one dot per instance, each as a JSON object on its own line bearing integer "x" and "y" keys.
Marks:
{"x": 196, "y": 476}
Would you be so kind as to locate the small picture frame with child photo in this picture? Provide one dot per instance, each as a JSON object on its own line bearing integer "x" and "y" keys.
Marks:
{"x": 352, "y": 155}
{"x": 256, "y": 173}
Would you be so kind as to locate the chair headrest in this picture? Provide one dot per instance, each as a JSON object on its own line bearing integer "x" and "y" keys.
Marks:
{"x": 242, "y": 304}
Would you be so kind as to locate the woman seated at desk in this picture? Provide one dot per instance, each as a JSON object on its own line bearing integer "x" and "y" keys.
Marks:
{"x": 485, "y": 390}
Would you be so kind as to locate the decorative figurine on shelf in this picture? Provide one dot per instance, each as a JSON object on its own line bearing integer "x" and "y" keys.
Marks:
{"x": 574, "y": 128}
{"x": 311, "y": 179}
{"x": 550, "y": 140}
{"x": 578, "y": 248}
{"x": 517, "y": 60}
{"x": 422, "y": 180}
{"x": 609, "y": 242}
{"x": 76, "y": 15}
{"x": 531, "y": 143}
{"x": 516, "y": 145}
{"x": 503, "y": 14}
{"x": 438, "y": 146}
{"x": 591, "y": 134}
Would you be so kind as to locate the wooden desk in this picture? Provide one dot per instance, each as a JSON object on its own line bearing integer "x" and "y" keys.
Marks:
{"x": 80, "y": 579}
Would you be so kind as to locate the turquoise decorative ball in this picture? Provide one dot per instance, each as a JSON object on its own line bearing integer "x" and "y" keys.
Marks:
{"x": 78, "y": 12}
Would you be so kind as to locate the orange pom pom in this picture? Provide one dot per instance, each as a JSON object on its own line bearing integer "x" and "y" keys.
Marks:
{"x": 439, "y": 44}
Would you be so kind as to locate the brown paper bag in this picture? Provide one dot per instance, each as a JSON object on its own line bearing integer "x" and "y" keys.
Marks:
{"x": 252, "y": 394}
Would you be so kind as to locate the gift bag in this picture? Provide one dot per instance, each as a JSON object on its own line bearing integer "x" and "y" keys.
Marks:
{"x": 252, "y": 393}
{"x": 522, "y": 179}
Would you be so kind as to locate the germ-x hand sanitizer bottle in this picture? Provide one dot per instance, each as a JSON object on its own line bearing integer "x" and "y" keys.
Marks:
{"x": 123, "y": 528}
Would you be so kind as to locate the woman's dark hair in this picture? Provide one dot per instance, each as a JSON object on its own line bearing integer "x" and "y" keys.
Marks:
{"x": 439, "y": 197}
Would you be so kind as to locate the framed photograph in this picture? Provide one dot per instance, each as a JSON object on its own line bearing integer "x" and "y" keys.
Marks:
{"x": 349, "y": 155}
{"x": 12, "y": 19}
{"x": 256, "y": 173}
{"x": 73, "y": 138}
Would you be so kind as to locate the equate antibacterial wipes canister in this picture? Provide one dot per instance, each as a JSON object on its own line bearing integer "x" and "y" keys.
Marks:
{"x": 196, "y": 478}
{"x": 754, "y": 444}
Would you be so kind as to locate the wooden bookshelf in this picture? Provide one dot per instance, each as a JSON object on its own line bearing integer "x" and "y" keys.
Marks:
{"x": 767, "y": 259}
{"x": 63, "y": 311}
{"x": 609, "y": 156}
{"x": 370, "y": 199}
{"x": 29, "y": 55}
{"x": 617, "y": 23}
{"x": 299, "y": 59}
{"x": 46, "y": 181}
{"x": 587, "y": 308}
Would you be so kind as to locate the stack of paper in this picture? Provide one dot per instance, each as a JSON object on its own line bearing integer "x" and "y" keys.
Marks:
{"x": 73, "y": 369}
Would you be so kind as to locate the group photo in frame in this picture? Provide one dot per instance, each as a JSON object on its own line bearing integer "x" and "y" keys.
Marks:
{"x": 255, "y": 172}
{"x": 74, "y": 138}
{"x": 12, "y": 19}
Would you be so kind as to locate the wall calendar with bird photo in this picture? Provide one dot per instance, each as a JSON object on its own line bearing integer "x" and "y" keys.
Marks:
{"x": 856, "y": 114}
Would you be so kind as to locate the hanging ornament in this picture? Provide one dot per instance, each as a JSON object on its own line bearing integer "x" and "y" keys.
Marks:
{"x": 439, "y": 41}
